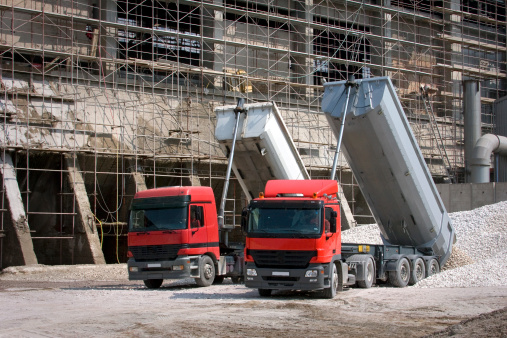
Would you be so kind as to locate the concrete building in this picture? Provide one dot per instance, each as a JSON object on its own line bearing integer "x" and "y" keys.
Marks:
{"x": 101, "y": 98}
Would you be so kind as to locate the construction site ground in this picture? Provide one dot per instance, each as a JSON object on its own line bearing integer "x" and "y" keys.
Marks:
{"x": 49, "y": 303}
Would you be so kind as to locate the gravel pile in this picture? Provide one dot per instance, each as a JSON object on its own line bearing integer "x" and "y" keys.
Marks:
{"x": 478, "y": 257}
{"x": 367, "y": 234}
{"x": 481, "y": 235}
{"x": 64, "y": 273}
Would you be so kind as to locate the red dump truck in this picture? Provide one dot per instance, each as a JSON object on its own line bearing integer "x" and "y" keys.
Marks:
{"x": 286, "y": 251}
{"x": 293, "y": 241}
{"x": 173, "y": 233}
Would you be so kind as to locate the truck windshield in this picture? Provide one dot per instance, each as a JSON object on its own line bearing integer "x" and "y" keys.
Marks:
{"x": 285, "y": 222}
{"x": 158, "y": 219}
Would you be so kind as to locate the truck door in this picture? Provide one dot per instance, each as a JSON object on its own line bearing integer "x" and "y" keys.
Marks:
{"x": 198, "y": 229}
{"x": 331, "y": 239}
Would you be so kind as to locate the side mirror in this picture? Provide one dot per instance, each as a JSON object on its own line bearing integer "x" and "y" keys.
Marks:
{"x": 244, "y": 220}
{"x": 332, "y": 222}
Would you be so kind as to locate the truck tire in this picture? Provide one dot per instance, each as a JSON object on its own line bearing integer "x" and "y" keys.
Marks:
{"x": 206, "y": 272}
{"x": 265, "y": 292}
{"x": 330, "y": 292}
{"x": 153, "y": 283}
{"x": 418, "y": 272}
{"x": 401, "y": 275}
{"x": 369, "y": 276}
{"x": 432, "y": 268}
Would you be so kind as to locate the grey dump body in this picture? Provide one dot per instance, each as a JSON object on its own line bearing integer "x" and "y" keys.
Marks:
{"x": 388, "y": 165}
{"x": 264, "y": 148}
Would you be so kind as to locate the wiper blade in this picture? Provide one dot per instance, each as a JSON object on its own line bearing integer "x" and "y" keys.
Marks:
{"x": 262, "y": 232}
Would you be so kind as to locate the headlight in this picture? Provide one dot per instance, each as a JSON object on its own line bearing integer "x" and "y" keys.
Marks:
{"x": 251, "y": 272}
{"x": 311, "y": 273}
{"x": 177, "y": 267}
{"x": 133, "y": 269}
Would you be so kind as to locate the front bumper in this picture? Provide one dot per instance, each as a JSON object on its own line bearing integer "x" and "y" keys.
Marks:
{"x": 162, "y": 269}
{"x": 287, "y": 279}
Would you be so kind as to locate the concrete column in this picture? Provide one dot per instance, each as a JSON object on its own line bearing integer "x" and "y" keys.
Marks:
{"x": 453, "y": 54}
{"x": 108, "y": 43}
{"x": 302, "y": 43}
{"x": 18, "y": 249}
{"x": 388, "y": 46}
{"x": 87, "y": 243}
{"x": 213, "y": 55}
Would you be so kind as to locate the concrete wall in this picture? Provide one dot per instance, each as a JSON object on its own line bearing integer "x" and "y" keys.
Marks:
{"x": 468, "y": 196}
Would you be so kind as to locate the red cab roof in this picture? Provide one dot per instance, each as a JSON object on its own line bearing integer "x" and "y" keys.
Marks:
{"x": 197, "y": 193}
{"x": 304, "y": 188}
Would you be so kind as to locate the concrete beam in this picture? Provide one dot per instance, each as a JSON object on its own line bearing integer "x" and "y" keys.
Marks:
{"x": 347, "y": 218}
{"x": 18, "y": 249}
{"x": 195, "y": 181}
{"x": 87, "y": 244}
{"x": 139, "y": 180}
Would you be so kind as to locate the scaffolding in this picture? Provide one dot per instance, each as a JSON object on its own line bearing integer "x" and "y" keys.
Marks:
{"x": 123, "y": 93}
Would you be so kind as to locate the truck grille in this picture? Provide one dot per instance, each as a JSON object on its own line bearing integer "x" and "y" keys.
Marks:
{"x": 155, "y": 252}
{"x": 282, "y": 258}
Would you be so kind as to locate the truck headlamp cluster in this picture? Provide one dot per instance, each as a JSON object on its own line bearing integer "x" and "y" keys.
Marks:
{"x": 178, "y": 267}
{"x": 311, "y": 273}
{"x": 133, "y": 269}
{"x": 251, "y": 272}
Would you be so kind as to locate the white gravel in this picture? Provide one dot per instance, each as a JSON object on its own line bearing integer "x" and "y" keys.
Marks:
{"x": 367, "y": 234}
{"x": 478, "y": 257}
{"x": 66, "y": 273}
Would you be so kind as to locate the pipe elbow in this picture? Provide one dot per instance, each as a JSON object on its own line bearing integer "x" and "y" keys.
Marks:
{"x": 485, "y": 146}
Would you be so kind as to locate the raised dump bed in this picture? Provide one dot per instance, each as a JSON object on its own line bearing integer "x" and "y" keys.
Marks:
{"x": 264, "y": 148}
{"x": 388, "y": 165}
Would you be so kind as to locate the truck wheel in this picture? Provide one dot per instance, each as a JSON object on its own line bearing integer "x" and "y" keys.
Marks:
{"x": 330, "y": 292}
{"x": 265, "y": 292}
{"x": 418, "y": 273}
{"x": 369, "y": 277}
{"x": 432, "y": 268}
{"x": 401, "y": 276}
{"x": 218, "y": 279}
{"x": 153, "y": 283}
{"x": 206, "y": 272}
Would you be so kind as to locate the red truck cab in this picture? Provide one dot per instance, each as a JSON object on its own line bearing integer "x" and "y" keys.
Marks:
{"x": 173, "y": 233}
{"x": 292, "y": 242}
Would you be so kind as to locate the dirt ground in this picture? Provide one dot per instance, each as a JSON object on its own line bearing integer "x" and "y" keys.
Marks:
{"x": 122, "y": 308}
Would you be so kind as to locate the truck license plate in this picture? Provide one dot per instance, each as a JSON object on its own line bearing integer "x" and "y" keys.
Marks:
{"x": 280, "y": 273}
{"x": 157, "y": 265}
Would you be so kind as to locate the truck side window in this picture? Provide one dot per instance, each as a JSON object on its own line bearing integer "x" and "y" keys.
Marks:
{"x": 327, "y": 219}
{"x": 196, "y": 216}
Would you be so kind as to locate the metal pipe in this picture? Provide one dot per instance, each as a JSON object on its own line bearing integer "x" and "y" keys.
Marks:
{"x": 497, "y": 163}
{"x": 481, "y": 156}
{"x": 340, "y": 135}
{"x": 472, "y": 121}
{"x": 221, "y": 212}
